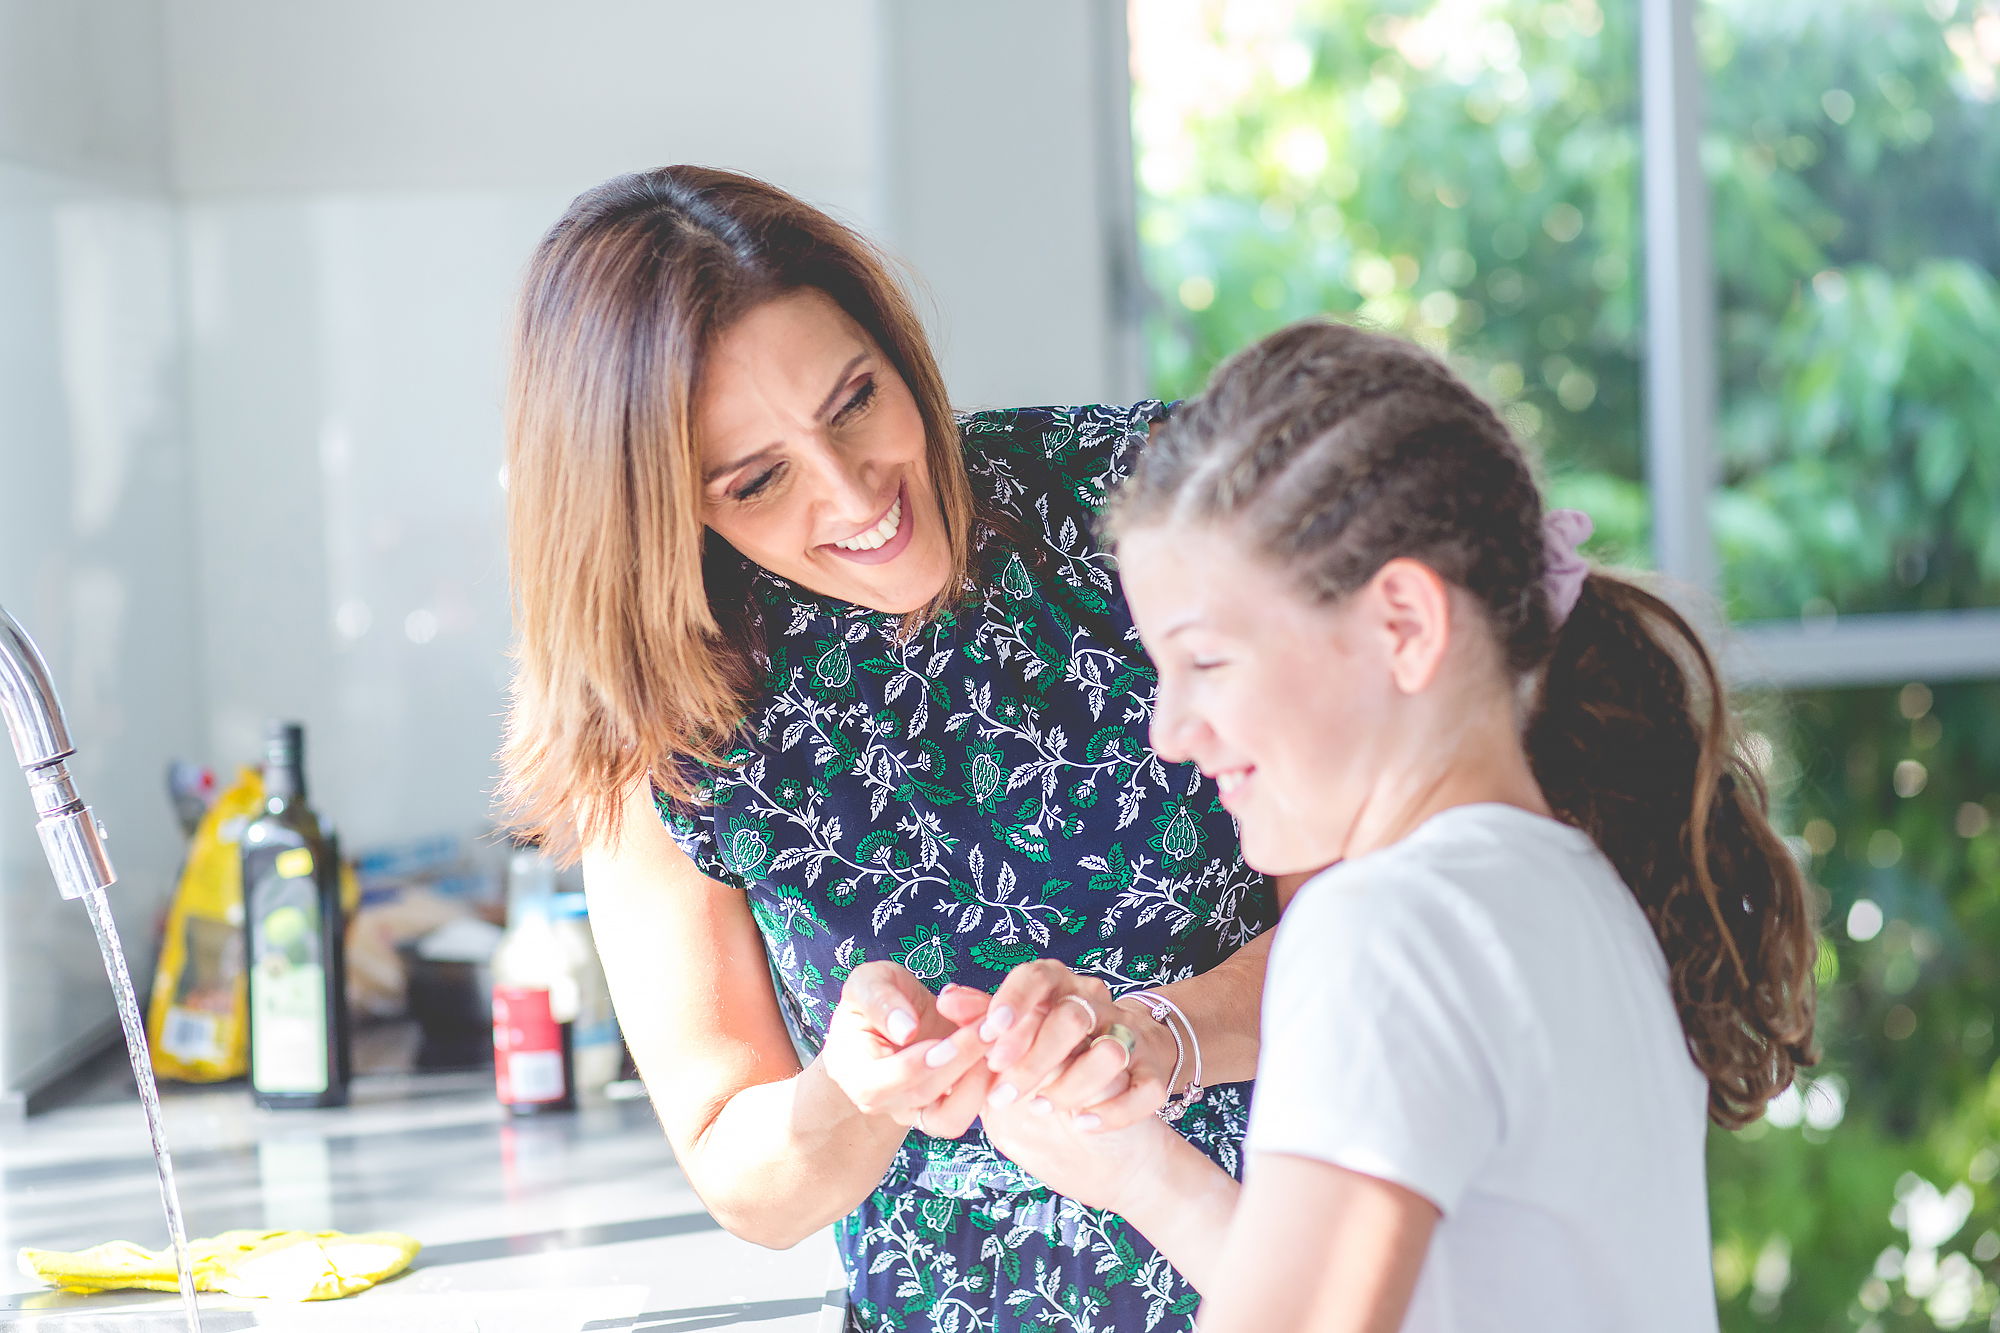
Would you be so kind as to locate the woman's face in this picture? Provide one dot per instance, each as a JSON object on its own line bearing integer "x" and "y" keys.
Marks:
{"x": 1279, "y": 700}
{"x": 814, "y": 460}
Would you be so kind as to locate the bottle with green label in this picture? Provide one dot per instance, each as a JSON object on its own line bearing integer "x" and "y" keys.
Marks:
{"x": 292, "y": 920}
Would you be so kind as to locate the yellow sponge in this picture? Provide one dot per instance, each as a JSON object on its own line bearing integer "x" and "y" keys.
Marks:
{"x": 276, "y": 1265}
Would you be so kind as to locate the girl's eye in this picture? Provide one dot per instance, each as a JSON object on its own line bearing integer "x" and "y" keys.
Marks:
{"x": 856, "y": 405}
{"x": 1207, "y": 666}
{"x": 763, "y": 479}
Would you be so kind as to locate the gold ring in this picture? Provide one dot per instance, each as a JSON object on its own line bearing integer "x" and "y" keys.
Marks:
{"x": 1088, "y": 1007}
{"x": 1124, "y": 1036}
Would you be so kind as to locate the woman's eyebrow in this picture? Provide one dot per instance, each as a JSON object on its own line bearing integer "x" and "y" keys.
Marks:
{"x": 722, "y": 469}
{"x": 840, "y": 382}
{"x": 826, "y": 405}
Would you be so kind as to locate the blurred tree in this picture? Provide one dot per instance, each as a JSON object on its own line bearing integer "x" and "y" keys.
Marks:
{"x": 1465, "y": 172}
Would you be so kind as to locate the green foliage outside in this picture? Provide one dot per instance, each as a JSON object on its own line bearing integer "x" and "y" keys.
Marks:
{"x": 1466, "y": 172}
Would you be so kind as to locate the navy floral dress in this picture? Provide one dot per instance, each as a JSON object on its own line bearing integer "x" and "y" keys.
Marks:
{"x": 963, "y": 801}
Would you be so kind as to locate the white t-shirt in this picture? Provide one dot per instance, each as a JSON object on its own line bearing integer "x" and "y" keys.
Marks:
{"x": 1480, "y": 1013}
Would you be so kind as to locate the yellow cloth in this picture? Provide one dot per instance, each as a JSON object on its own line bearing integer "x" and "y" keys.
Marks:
{"x": 277, "y": 1265}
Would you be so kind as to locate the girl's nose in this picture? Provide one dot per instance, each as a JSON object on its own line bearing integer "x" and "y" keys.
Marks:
{"x": 1171, "y": 726}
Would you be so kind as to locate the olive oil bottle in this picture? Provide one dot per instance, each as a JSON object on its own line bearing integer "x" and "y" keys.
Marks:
{"x": 293, "y": 936}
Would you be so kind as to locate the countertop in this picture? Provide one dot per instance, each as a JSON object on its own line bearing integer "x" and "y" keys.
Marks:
{"x": 568, "y": 1221}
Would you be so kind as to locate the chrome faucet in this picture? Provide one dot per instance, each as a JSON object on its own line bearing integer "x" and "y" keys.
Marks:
{"x": 72, "y": 838}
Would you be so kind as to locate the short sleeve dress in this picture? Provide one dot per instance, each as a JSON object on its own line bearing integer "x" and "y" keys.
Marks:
{"x": 964, "y": 800}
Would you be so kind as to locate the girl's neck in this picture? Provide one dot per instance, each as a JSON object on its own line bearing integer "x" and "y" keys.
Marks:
{"x": 1484, "y": 765}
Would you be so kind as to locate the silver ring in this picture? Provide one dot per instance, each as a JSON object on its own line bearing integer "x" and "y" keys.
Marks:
{"x": 1088, "y": 1008}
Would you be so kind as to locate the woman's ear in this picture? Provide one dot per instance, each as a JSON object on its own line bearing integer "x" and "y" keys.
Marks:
{"x": 1411, "y": 606}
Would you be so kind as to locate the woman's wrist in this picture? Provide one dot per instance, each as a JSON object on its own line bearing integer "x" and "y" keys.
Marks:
{"x": 1157, "y": 1050}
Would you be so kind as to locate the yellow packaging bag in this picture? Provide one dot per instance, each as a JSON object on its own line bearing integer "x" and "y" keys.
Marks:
{"x": 197, "y": 1023}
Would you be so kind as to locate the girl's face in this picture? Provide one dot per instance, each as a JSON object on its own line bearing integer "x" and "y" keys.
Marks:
{"x": 1286, "y": 704}
{"x": 814, "y": 459}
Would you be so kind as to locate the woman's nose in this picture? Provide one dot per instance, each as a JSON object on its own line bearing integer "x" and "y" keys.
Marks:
{"x": 844, "y": 484}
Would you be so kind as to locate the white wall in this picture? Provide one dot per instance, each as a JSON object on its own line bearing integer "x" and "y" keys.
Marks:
{"x": 1010, "y": 193}
{"x": 95, "y": 529}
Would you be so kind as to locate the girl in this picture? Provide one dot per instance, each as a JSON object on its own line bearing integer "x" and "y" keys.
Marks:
{"x": 1560, "y": 932}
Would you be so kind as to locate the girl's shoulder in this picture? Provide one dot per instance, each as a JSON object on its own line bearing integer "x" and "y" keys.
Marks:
{"x": 1078, "y": 453}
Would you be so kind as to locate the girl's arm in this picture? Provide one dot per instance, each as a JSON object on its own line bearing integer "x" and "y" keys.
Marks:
{"x": 776, "y": 1150}
{"x": 1313, "y": 1247}
{"x": 1304, "y": 1246}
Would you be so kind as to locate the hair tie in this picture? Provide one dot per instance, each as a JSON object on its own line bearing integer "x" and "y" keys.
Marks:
{"x": 1564, "y": 531}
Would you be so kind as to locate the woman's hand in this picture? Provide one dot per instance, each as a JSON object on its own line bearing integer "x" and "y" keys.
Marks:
{"x": 893, "y": 1053}
{"x": 1046, "y": 1026}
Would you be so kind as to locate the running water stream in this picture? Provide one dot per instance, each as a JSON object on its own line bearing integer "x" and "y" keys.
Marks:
{"x": 149, "y": 1091}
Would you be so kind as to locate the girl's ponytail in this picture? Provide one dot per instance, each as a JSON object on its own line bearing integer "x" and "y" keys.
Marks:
{"x": 1633, "y": 742}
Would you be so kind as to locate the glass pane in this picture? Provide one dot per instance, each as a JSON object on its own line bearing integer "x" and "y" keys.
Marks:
{"x": 1869, "y": 1201}
{"x": 1462, "y": 171}
{"x": 1854, "y": 152}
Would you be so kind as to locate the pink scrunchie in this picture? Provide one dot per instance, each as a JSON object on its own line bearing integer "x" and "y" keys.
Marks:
{"x": 1563, "y": 532}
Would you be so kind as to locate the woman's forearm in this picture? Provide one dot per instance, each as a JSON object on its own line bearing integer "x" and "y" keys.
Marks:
{"x": 779, "y": 1161}
{"x": 1225, "y": 1005}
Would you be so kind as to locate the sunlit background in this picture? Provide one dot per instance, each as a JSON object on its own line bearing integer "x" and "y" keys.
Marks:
{"x": 1469, "y": 172}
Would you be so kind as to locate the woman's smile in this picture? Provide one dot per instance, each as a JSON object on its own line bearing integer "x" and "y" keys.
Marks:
{"x": 883, "y": 540}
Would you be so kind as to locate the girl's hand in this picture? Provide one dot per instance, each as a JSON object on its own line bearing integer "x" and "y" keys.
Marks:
{"x": 893, "y": 1054}
{"x": 1043, "y": 1025}
{"x": 1101, "y": 1168}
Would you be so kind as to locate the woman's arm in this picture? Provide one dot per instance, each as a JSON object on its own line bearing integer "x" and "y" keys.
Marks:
{"x": 775, "y": 1150}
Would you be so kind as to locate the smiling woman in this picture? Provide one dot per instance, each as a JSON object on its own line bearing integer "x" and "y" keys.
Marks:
{"x": 828, "y": 486}
{"x": 838, "y": 698}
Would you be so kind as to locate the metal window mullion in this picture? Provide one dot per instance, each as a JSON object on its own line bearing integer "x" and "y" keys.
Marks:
{"x": 1680, "y": 324}
{"x": 1878, "y": 649}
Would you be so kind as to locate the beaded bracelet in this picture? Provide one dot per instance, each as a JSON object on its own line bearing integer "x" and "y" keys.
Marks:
{"x": 1160, "y": 1007}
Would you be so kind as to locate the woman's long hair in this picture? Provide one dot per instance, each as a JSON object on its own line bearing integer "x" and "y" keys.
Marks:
{"x": 1333, "y": 451}
{"x": 630, "y": 652}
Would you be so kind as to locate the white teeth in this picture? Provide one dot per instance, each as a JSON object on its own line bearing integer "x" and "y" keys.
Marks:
{"x": 878, "y": 534}
{"x": 1228, "y": 782}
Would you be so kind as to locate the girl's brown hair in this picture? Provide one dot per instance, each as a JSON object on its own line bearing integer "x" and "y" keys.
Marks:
{"x": 1333, "y": 451}
{"x": 633, "y": 647}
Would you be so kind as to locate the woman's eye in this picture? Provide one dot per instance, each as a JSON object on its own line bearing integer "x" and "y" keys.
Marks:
{"x": 1207, "y": 666}
{"x": 856, "y": 405}
{"x": 763, "y": 479}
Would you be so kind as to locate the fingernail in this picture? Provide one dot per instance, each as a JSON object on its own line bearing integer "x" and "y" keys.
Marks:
{"x": 901, "y": 1024}
{"x": 1003, "y": 1095}
{"x": 942, "y": 1054}
{"x": 1087, "y": 1121}
{"x": 1041, "y": 1106}
{"x": 996, "y": 1023}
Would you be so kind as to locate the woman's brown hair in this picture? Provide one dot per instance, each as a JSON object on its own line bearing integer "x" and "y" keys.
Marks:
{"x": 632, "y": 650}
{"x": 1332, "y": 451}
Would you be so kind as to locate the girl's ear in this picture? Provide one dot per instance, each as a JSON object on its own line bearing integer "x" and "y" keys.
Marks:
{"x": 1411, "y": 608}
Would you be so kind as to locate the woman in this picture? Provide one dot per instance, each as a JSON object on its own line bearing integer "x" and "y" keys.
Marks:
{"x": 1561, "y": 928}
{"x": 837, "y": 698}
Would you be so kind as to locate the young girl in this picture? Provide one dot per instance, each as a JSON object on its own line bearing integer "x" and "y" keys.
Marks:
{"x": 1558, "y": 932}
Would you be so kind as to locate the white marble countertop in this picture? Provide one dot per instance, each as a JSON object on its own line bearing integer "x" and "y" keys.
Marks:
{"x": 573, "y": 1221}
